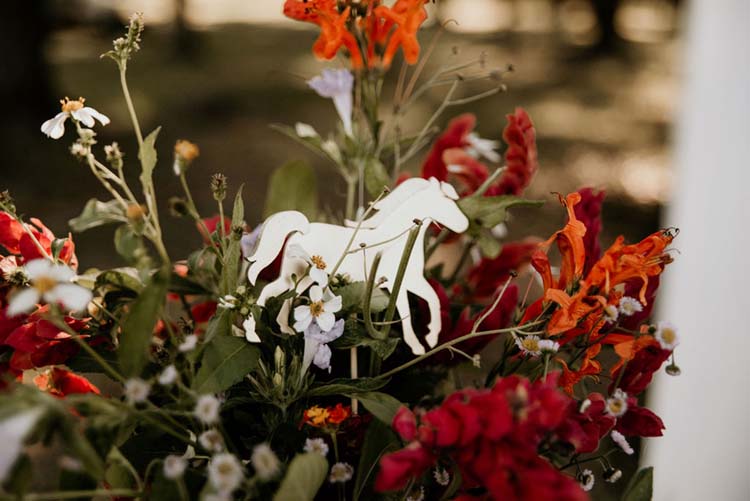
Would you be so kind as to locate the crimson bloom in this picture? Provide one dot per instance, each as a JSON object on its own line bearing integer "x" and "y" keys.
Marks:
{"x": 61, "y": 382}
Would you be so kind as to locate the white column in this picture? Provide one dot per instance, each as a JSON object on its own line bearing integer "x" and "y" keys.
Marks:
{"x": 705, "y": 453}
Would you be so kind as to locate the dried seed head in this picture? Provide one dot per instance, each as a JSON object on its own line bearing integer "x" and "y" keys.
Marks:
{"x": 219, "y": 186}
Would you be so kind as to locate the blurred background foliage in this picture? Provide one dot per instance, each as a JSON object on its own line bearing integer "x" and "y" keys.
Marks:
{"x": 598, "y": 77}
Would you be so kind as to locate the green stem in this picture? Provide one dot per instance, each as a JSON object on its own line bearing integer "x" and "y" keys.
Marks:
{"x": 87, "y": 494}
{"x": 129, "y": 103}
{"x": 60, "y": 323}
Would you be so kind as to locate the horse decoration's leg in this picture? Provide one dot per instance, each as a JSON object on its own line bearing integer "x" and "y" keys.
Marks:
{"x": 410, "y": 337}
{"x": 422, "y": 288}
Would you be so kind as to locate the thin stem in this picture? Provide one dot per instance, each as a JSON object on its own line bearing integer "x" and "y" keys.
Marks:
{"x": 129, "y": 103}
{"x": 487, "y": 313}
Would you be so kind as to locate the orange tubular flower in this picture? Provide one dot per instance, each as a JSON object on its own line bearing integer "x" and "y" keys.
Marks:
{"x": 570, "y": 242}
{"x": 408, "y": 16}
{"x": 334, "y": 33}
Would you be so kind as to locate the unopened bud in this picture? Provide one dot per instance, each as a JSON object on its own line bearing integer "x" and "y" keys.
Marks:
{"x": 178, "y": 207}
{"x": 114, "y": 155}
{"x": 673, "y": 370}
{"x": 219, "y": 186}
{"x": 184, "y": 154}
{"x": 136, "y": 212}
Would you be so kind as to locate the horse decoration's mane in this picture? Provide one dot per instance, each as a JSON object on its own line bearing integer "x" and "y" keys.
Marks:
{"x": 385, "y": 232}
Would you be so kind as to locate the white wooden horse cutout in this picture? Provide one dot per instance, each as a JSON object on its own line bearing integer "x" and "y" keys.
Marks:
{"x": 386, "y": 231}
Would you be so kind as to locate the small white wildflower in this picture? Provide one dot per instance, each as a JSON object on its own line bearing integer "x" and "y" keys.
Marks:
{"x": 416, "y": 495}
{"x": 207, "y": 409}
{"x": 586, "y": 479}
{"x": 476, "y": 360}
{"x": 480, "y": 147}
{"x": 612, "y": 475}
{"x": 265, "y": 462}
{"x": 317, "y": 265}
{"x": 225, "y": 472}
{"x": 617, "y": 404}
{"x": 611, "y": 313}
{"x": 304, "y": 130}
{"x": 337, "y": 85}
{"x": 79, "y": 150}
{"x": 548, "y": 346}
{"x": 189, "y": 343}
{"x": 529, "y": 345}
{"x": 136, "y": 390}
{"x": 442, "y": 477}
{"x": 630, "y": 306}
{"x": 49, "y": 282}
{"x": 174, "y": 466}
{"x": 341, "y": 473}
{"x": 55, "y": 126}
{"x": 666, "y": 334}
{"x": 332, "y": 149}
{"x": 316, "y": 446}
{"x": 228, "y": 302}
{"x": 620, "y": 440}
{"x": 168, "y": 376}
{"x": 211, "y": 440}
{"x": 320, "y": 310}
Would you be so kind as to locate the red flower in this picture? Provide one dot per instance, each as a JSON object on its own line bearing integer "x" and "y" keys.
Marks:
{"x": 405, "y": 423}
{"x": 203, "y": 312}
{"x": 211, "y": 224}
{"x": 336, "y": 415}
{"x": 455, "y": 136}
{"x": 397, "y": 468}
{"x": 17, "y": 241}
{"x": 484, "y": 278}
{"x": 640, "y": 370}
{"x": 584, "y": 429}
{"x": 589, "y": 212}
{"x": 639, "y": 421}
{"x": 11, "y": 232}
{"x": 61, "y": 382}
{"x": 521, "y": 156}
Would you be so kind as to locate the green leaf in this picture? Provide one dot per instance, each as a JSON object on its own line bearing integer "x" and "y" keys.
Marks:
{"x": 303, "y": 479}
{"x": 488, "y": 244}
{"x": 352, "y": 295}
{"x": 379, "y": 440}
{"x": 381, "y": 405}
{"x": 233, "y": 255}
{"x": 120, "y": 278}
{"x": 355, "y": 335}
{"x": 96, "y": 213}
{"x": 293, "y": 186}
{"x": 491, "y": 211}
{"x": 376, "y": 177}
{"x": 186, "y": 286}
{"x": 640, "y": 487}
{"x": 131, "y": 247}
{"x": 345, "y": 386}
{"x": 138, "y": 326}
{"x": 226, "y": 360}
{"x": 119, "y": 473}
{"x": 147, "y": 156}
{"x": 219, "y": 325}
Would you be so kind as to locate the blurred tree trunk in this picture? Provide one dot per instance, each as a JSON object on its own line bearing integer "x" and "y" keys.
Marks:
{"x": 24, "y": 74}
{"x": 605, "y": 11}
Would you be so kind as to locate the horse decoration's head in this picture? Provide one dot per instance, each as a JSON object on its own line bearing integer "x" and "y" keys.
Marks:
{"x": 440, "y": 197}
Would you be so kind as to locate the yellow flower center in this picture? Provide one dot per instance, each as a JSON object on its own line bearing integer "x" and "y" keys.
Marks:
{"x": 668, "y": 335}
{"x": 74, "y": 105}
{"x": 44, "y": 284}
{"x": 318, "y": 262}
{"x": 530, "y": 344}
{"x": 225, "y": 468}
{"x": 616, "y": 406}
{"x": 316, "y": 308}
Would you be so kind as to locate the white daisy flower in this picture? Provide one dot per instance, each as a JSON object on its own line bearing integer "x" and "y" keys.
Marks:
{"x": 189, "y": 343}
{"x": 630, "y": 306}
{"x": 265, "y": 462}
{"x": 316, "y": 446}
{"x": 168, "y": 376}
{"x": 317, "y": 265}
{"x": 320, "y": 310}
{"x": 620, "y": 440}
{"x": 617, "y": 404}
{"x": 612, "y": 475}
{"x": 225, "y": 472}
{"x": 337, "y": 85}
{"x": 207, "y": 409}
{"x": 174, "y": 466}
{"x": 55, "y": 126}
{"x": 486, "y": 148}
{"x": 341, "y": 473}
{"x": 529, "y": 345}
{"x": 136, "y": 390}
{"x": 316, "y": 350}
{"x": 611, "y": 313}
{"x": 548, "y": 346}
{"x": 416, "y": 495}
{"x": 211, "y": 440}
{"x": 586, "y": 479}
{"x": 666, "y": 334}
{"x": 52, "y": 283}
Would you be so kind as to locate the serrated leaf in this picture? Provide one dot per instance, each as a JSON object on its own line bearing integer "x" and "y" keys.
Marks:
{"x": 120, "y": 278}
{"x": 345, "y": 386}
{"x": 96, "y": 213}
{"x": 230, "y": 272}
{"x": 376, "y": 177}
{"x": 147, "y": 156}
{"x": 491, "y": 211}
{"x": 138, "y": 326}
{"x": 131, "y": 247}
{"x": 293, "y": 186}
{"x": 226, "y": 360}
{"x": 381, "y": 405}
{"x": 640, "y": 487}
{"x": 303, "y": 479}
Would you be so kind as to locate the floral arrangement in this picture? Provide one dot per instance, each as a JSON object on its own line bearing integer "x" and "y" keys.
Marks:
{"x": 319, "y": 355}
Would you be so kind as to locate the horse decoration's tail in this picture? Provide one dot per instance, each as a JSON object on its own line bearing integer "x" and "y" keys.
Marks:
{"x": 271, "y": 241}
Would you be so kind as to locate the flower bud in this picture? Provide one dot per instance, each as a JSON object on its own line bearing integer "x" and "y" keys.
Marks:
{"x": 178, "y": 207}
{"x": 673, "y": 369}
{"x": 219, "y": 186}
{"x": 184, "y": 154}
{"x": 136, "y": 212}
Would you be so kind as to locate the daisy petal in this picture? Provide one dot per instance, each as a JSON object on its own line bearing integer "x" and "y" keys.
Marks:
{"x": 55, "y": 127}
{"x": 302, "y": 312}
{"x": 301, "y": 325}
{"x": 38, "y": 268}
{"x": 316, "y": 293}
{"x": 83, "y": 116}
{"x": 319, "y": 276}
{"x": 326, "y": 321}
{"x": 103, "y": 119}
{"x": 22, "y": 302}
{"x": 61, "y": 273}
{"x": 71, "y": 296}
{"x": 333, "y": 305}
